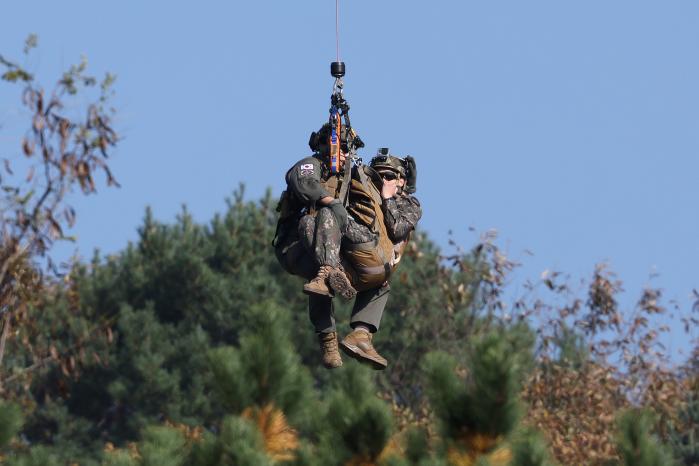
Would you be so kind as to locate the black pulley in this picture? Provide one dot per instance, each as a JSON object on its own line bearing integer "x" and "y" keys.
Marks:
{"x": 337, "y": 69}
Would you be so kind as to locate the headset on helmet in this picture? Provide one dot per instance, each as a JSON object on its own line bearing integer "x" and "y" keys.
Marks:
{"x": 318, "y": 142}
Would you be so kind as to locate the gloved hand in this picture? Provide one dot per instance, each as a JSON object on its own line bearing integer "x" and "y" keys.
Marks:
{"x": 340, "y": 213}
{"x": 410, "y": 175}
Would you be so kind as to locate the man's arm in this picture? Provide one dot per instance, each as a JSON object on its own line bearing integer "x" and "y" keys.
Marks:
{"x": 401, "y": 214}
{"x": 304, "y": 181}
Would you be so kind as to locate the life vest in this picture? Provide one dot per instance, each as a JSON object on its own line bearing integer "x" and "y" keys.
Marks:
{"x": 369, "y": 265}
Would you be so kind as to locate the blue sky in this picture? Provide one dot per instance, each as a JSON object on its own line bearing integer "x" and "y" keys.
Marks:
{"x": 569, "y": 127}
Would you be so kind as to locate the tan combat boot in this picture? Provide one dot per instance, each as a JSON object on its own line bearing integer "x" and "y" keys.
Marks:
{"x": 328, "y": 348}
{"x": 335, "y": 278}
{"x": 358, "y": 345}
{"x": 340, "y": 284}
{"x": 319, "y": 284}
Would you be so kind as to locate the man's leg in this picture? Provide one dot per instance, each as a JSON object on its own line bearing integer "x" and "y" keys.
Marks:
{"x": 366, "y": 319}
{"x": 368, "y": 308}
{"x": 322, "y": 315}
{"x": 327, "y": 239}
{"x": 320, "y": 306}
{"x": 323, "y": 239}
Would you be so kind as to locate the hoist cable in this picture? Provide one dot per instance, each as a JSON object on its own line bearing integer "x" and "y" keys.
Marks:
{"x": 337, "y": 28}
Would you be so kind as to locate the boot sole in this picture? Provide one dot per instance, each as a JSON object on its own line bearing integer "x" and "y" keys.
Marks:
{"x": 331, "y": 367}
{"x": 313, "y": 292}
{"x": 356, "y": 353}
{"x": 340, "y": 286}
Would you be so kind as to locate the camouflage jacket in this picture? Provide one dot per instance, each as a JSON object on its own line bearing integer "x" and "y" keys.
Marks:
{"x": 401, "y": 214}
{"x": 306, "y": 180}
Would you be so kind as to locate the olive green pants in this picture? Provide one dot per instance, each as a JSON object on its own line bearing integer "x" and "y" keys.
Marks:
{"x": 367, "y": 310}
{"x": 295, "y": 258}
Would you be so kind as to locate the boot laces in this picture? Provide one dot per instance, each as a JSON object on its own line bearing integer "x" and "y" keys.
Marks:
{"x": 329, "y": 344}
{"x": 324, "y": 271}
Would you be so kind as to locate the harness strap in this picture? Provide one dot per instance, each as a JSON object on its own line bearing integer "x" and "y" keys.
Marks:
{"x": 364, "y": 179}
{"x": 368, "y": 246}
{"x": 375, "y": 270}
{"x": 346, "y": 180}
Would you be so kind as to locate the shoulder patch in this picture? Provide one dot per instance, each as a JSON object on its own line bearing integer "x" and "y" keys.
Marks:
{"x": 306, "y": 169}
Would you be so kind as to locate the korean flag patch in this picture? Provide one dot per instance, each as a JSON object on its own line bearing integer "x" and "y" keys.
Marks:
{"x": 306, "y": 169}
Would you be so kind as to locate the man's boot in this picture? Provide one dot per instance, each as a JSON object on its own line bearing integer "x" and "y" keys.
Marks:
{"x": 340, "y": 284}
{"x": 336, "y": 279}
{"x": 358, "y": 345}
{"x": 328, "y": 347}
{"x": 319, "y": 284}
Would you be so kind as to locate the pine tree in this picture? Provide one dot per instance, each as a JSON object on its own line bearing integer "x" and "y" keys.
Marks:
{"x": 480, "y": 411}
{"x": 684, "y": 437}
{"x": 530, "y": 449}
{"x": 10, "y": 422}
{"x": 636, "y": 444}
{"x": 356, "y": 425}
{"x": 265, "y": 393}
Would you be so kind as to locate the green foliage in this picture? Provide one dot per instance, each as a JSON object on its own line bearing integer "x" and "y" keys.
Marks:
{"x": 636, "y": 443}
{"x": 684, "y": 438}
{"x": 119, "y": 458}
{"x": 355, "y": 423}
{"x": 417, "y": 445}
{"x": 417, "y": 450}
{"x": 239, "y": 444}
{"x": 163, "y": 446}
{"x": 10, "y": 422}
{"x": 487, "y": 402}
{"x": 37, "y": 456}
{"x": 167, "y": 330}
{"x": 572, "y": 350}
{"x": 530, "y": 449}
{"x": 264, "y": 369}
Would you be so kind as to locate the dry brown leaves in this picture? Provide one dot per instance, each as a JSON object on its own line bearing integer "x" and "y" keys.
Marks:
{"x": 576, "y": 411}
{"x": 280, "y": 439}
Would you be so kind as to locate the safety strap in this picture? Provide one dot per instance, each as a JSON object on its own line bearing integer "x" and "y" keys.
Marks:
{"x": 375, "y": 270}
{"x": 346, "y": 180}
{"x": 368, "y": 246}
{"x": 364, "y": 179}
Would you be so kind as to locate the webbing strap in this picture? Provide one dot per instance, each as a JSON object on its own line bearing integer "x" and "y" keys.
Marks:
{"x": 346, "y": 180}
{"x": 369, "y": 245}
{"x": 364, "y": 179}
{"x": 384, "y": 269}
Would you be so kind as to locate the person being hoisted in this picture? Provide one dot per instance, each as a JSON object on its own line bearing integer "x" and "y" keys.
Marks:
{"x": 318, "y": 193}
{"x": 314, "y": 221}
{"x": 382, "y": 214}
{"x": 317, "y": 189}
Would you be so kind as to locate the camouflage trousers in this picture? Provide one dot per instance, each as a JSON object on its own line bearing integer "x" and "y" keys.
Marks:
{"x": 318, "y": 242}
{"x": 321, "y": 236}
{"x": 368, "y": 306}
